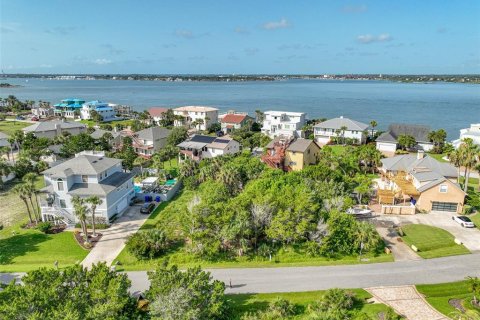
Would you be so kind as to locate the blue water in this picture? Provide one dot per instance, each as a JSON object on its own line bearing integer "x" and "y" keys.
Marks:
{"x": 451, "y": 106}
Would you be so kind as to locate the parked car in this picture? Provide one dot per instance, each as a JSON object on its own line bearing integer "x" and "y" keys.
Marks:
{"x": 20, "y": 118}
{"x": 34, "y": 118}
{"x": 147, "y": 207}
{"x": 463, "y": 221}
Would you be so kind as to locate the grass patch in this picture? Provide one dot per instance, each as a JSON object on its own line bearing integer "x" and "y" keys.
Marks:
{"x": 432, "y": 242}
{"x": 31, "y": 249}
{"x": 438, "y": 295}
{"x": 337, "y": 149}
{"x": 438, "y": 157}
{"x": 476, "y": 219}
{"x": 243, "y": 303}
{"x": 91, "y": 123}
{"x": 9, "y": 127}
{"x": 168, "y": 215}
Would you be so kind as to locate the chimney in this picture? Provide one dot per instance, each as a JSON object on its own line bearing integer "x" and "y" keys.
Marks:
{"x": 420, "y": 154}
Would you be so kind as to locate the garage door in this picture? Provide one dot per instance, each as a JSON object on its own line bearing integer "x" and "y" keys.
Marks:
{"x": 444, "y": 206}
{"x": 122, "y": 205}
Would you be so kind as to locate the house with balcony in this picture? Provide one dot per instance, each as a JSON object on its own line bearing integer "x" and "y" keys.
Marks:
{"x": 473, "y": 133}
{"x": 288, "y": 154}
{"x": 102, "y": 108}
{"x": 421, "y": 182}
{"x": 232, "y": 121}
{"x": 55, "y": 128}
{"x": 340, "y": 129}
{"x": 197, "y": 117}
{"x": 157, "y": 114}
{"x": 69, "y": 108}
{"x": 387, "y": 142}
{"x": 282, "y": 123}
{"x": 89, "y": 173}
{"x": 199, "y": 147}
{"x": 148, "y": 141}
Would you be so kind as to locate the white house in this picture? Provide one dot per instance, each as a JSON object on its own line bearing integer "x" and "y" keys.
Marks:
{"x": 284, "y": 123}
{"x": 473, "y": 133}
{"x": 55, "y": 128}
{"x": 203, "y": 116}
{"x": 199, "y": 147}
{"x": 340, "y": 127}
{"x": 387, "y": 142}
{"x": 102, "y": 108}
{"x": 90, "y": 173}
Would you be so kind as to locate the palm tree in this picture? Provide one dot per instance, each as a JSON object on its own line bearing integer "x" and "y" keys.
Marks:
{"x": 468, "y": 152}
{"x": 5, "y": 170}
{"x": 343, "y": 129}
{"x": 373, "y": 124}
{"x": 366, "y": 236}
{"x": 94, "y": 201}
{"x": 81, "y": 213}
{"x": 29, "y": 179}
{"x": 20, "y": 192}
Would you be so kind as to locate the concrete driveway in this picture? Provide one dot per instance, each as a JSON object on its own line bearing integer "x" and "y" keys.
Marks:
{"x": 469, "y": 236}
{"x": 113, "y": 239}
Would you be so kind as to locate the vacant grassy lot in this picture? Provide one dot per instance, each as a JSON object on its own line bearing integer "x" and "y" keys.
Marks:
{"x": 438, "y": 296}
{"x": 432, "y": 242}
{"x": 244, "y": 303}
{"x": 169, "y": 215}
{"x": 31, "y": 249}
{"x": 9, "y": 127}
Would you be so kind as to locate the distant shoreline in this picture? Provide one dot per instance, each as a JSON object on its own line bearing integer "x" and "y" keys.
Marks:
{"x": 8, "y": 85}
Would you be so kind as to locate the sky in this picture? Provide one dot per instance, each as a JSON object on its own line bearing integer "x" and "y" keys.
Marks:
{"x": 240, "y": 37}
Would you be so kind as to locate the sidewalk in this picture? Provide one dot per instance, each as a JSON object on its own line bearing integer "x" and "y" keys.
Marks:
{"x": 113, "y": 239}
{"x": 400, "y": 251}
{"x": 406, "y": 301}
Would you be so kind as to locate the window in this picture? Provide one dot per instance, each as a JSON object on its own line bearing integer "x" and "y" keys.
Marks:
{"x": 60, "y": 185}
{"x": 62, "y": 203}
{"x": 443, "y": 188}
{"x": 84, "y": 179}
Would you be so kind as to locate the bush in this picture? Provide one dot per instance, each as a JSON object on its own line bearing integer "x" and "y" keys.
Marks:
{"x": 148, "y": 243}
{"x": 334, "y": 304}
{"x": 1, "y": 226}
{"x": 45, "y": 227}
{"x": 313, "y": 249}
{"x": 467, "y": 209}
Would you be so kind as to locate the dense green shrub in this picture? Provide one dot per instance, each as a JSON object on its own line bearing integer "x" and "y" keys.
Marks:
{"x": 147, "y": 243}
{"x": 45, "y": 227}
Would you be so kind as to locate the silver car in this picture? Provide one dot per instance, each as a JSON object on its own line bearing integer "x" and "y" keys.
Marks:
{"x": 463, "y": 221}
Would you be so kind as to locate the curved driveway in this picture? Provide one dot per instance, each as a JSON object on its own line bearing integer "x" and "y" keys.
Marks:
{"x": 256, "y": 280}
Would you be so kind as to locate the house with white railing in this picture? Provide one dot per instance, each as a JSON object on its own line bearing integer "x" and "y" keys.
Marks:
{"x": 90, "y": 173}
{"x": 283, "y": 123}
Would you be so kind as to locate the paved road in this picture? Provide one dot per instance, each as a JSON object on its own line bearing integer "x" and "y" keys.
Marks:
{"x": 250, "y": 280}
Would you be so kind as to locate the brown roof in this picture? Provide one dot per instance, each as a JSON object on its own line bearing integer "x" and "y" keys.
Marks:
{"x": 234, "y": 118}
{"x": 157, "y": 111}
{"x": 300, "y": 145}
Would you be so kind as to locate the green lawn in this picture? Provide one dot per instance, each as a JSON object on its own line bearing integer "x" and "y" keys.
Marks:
{"x": 9, "y": 127}
{"x": 167, "y": 215}
{"x": 476, "y": 219}
{"x": 31, "y": 249}
{"x": 432, "y": 242}
{"x": 243, "y": 303}
{"x": 171, "y": 164}
{"x": 337, "y": 149}
{"x": 438, "y": 157}
{"x": 438, "y": 295}
{"x": 92, "y": 123}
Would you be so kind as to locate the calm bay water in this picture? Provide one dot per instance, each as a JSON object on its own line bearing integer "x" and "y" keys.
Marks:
{"x": 451, "y": 106}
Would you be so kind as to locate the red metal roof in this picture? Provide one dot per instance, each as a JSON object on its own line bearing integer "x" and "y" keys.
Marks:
{"x": 234, "y": 118}
{"x": 157, "y": 111}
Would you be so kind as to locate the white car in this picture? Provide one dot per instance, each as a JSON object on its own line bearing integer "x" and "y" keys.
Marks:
{"x": 463, "y": 221}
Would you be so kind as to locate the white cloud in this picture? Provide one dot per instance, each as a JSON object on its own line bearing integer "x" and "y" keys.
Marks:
{"x": 102, "y": 61}
{"x": 273, "y": 25}
{"x": 368, "y": 38}
{"x": 187, "y": 34}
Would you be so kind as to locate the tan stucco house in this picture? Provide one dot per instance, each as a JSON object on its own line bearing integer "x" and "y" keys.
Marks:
{"x": 301, "y": 153}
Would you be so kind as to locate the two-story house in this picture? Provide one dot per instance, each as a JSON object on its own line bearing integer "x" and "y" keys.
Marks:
{"x": 157, "y": 114}
{"x": 55, "y": 128}
{"x": 341, "y": 129}
{"x": 199, "y": 147}
{"x": 387, "y": 142}
{"x": 473, "y": 133}
{"x": 198, "y": 117}
{"x": 90, "y": 173}
{"x": 147, "y": 141}
{"x": 289, "y": 154}
{"x": 231, "y": 121}
{"x": 282, "y": 123}
{"x": 102, "y": 108}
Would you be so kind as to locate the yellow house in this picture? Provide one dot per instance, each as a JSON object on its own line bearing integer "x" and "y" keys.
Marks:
{"x": 301, "y": 153}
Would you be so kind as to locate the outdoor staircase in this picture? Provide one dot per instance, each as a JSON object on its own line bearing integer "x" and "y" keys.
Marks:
{"x": 60, "y": 213}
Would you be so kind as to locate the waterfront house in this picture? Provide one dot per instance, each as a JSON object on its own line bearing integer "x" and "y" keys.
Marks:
{"x": 157, "y": 114}
{"x": 197, "y": 117}
{"x": 288, "y": 154}
{"x": 232, "y": 121}
{"x": 102, "y": 108}
{"x": 421, "y": 182}
{"x": 146, "y": 142}
{"x": 199, "y": 147}
{"x": 115, "y": 141}
{"x": 282, "y": 123}
{"x": 340, "y": 129}
{"x": 89, "y": 173}
{"x": 473, "y": 133}
{"x": 55, "y": 128}
{"x": 43, "y": 111}
{"x": 387, "y": 142}
{"x": 69, "y": 108}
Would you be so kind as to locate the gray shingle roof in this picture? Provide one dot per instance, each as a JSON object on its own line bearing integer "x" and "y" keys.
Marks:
{"x": 98, "y": 133}
{"x": 103, "y": 188}
{"x": 83, "y": 164}
{"x": 153, "y": 133}
{"x": 437, "y": 182}
{"x": 337, "y": 123}
{"x": 419, "y": 132}
{"x": 386, "y": 137}
{"x": 300, "y": 145}
{"x": 51, "y": 125}
{"x": 409, "y": 162}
